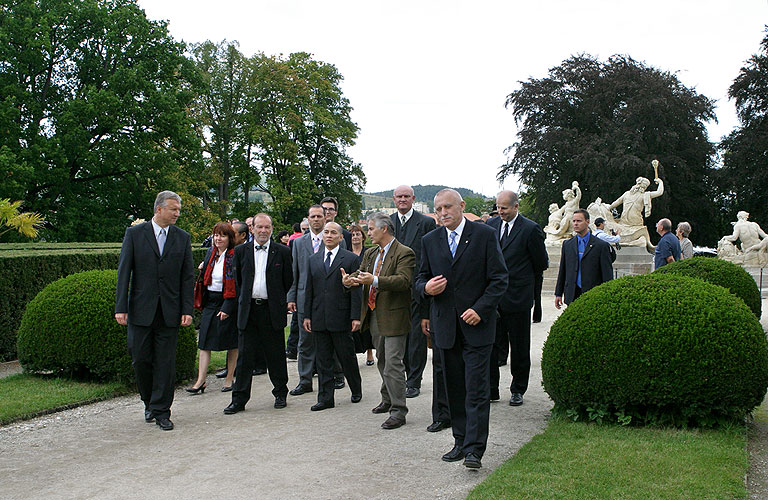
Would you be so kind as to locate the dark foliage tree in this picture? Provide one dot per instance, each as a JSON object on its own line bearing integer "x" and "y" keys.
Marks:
{"x": 602, "y": 123}
{"x": 744, "y": 176}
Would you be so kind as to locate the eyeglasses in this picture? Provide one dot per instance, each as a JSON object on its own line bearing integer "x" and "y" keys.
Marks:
{"x": 329, "y": 209}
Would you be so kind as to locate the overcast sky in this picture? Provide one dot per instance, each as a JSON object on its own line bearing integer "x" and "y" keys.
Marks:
{"x": 428, "y": 79}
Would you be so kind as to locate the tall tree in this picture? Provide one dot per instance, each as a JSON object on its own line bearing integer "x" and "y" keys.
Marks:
{"x": 744, "y": 175}
{"x": 602, "y": 123}
{"x": 93, "y": 113}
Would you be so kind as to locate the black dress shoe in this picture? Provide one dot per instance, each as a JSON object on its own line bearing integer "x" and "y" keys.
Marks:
{"x": 164, "y": 423}
{"x": 516, "y": 399}
{"x": 321, "y": 406}
{"x": 196, "y": 390}
{"x": 412, "y": 392}
{"x": 356, "y": 398}
{"x": 280, "y": 402}
{"x": 300, "y": 389}
{"x": 495, "y": 396}
{"x": 148, "y": 416}
{"x": 339, "y": 384}
{"x": 291, "y": 355}
{"x": 221, "y": 373}
{"x": 454, "y": 455}
{"x": 369, "y": 362}
{"x": 472, "y": 461}
{"x": 226, "y": 388}
{"x": 438, "y": 425}
{"x": 393, "y": 423}
{"x": 259, "y": 371}
{"x": 381, "y": 408}
{"x": 233, "y": 408}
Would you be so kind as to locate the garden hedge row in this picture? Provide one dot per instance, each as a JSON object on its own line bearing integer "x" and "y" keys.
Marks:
{"x": 24, "y": 273}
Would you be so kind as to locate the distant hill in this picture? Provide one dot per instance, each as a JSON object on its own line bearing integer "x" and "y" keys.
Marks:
{"x": 426, "y": 194}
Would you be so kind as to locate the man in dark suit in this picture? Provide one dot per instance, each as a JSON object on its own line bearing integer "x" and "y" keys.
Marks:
{"x": 331, "y": 314}
{"x": 410, "y": 227}
{"x": 263, "y": 276}
{"x": 585, "y": 262}
{"x": 522, "y": 245}
{"x": 463, "y": 271}
{"x": 155, "y": 281}
{"x": 386, "y": 275}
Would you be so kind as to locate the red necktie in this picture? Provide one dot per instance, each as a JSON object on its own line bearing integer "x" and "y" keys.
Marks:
{"x": 374, "y": 291}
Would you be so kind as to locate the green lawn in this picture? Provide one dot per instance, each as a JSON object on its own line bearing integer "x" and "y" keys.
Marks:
{"x": 580, "y": 461}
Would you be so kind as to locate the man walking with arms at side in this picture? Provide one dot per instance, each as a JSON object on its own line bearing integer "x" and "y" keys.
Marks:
{"x": 386, "y": 274}
{"x": 155, "y": 280}
{"x": 522, "y": 245}
{"x": 463, "y": 271}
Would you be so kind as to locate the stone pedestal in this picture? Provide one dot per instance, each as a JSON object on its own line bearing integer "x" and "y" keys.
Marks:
{"x": 629, "y": 260}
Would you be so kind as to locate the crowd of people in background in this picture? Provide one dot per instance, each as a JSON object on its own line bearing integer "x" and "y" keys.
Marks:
{"x": 463, "y": 289}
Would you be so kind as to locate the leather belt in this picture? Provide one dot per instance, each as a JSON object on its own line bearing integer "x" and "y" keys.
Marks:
{"x": 259, "y": 302}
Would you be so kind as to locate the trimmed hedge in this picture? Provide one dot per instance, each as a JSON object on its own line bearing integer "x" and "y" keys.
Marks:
{"x": 70, "y": 328}
{"x": 24, "y": 273}
{"x": 720, "y": 272}
{"x": 656, "y": 349}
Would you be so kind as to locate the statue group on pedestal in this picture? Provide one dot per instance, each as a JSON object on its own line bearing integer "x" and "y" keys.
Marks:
{"x": 754, "y": 243}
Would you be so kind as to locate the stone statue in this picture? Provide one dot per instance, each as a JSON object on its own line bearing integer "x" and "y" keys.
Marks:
{"x": 559, "y": 227}
{"x": 754, "y": 242}
{"x": 634, "y": 204}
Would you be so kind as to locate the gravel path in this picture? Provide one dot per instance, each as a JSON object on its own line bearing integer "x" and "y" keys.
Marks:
{"x": 105, "y": 450}
{"x": 757, "y": 475}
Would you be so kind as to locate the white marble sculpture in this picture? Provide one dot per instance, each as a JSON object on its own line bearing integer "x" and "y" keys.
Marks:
{"x": 754, "y": 243}
{"x": 635, "y": 204}
{"x": 559, "y": 227}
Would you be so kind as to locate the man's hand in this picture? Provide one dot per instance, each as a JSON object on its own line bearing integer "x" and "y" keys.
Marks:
{"x": 186, "y": 319}
{"x": 365, "y": 278}
{"x": 425, "y": 327}
{"x": 307, "y": 325}
{"x": 291, "y": 307}
{"x": 355, "y": 325}
{"x": 558, "y": 302}
{"x": 121, "y": 318}
{"x": 222, "y": 315}
{"x": 436, "y": 285}
{"x": 470, "y": 317}
{"x": 347, "y": 280}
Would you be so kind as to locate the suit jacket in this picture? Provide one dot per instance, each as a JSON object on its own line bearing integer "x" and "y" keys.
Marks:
{"x": 328, "y": 303}
{"x": 410, "y": 235}
{"x": 596, "y": 267}
{"x": 279, "y": 279}
{"x": 477, "y": 278}
{"x": 393, "y": 299}
{"x": 144, "y": 278}
{"x": 525, "y": 257}
{"x": 300, "y": 253}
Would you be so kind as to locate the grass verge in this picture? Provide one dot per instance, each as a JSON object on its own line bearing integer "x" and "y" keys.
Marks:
{"x": 580, "y": 461}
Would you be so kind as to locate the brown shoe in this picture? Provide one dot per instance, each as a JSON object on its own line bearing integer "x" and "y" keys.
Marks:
{"x": 382, "y": 408}
{"x": 393, "y": 423}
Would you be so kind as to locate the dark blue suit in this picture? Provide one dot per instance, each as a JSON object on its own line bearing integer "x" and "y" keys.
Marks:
{"x": 596, "y": 267}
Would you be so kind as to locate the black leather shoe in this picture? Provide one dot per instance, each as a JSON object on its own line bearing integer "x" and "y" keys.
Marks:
{"x": 259, "y": 371}
{"x": 196, "y": 390}
{"x": 356, "y": 398}
{"x": 233, "y": 408}
{"x": 454, "y": 455}
{"x": 321, "y": 406}
{"x": 280, "y": 402}
{"x": 164, "y": 423}
{"x": 495, "y": 396}
{"x": 291, "y": 355}
{"x": 393, "y": 423}
{"x": 381, "y": 408}
{"x": 221, "y": 373}
{"x": 339, "y": 384}
{"x": 438, "y": 425}
{"x": 226, "y": 388}
{"x": 300, "y": 389}
{"x": 472, "y": 461}
{"x": 148, "y": 418}
{"x": 516, "y": 399}
{"x": 412, "y": 392}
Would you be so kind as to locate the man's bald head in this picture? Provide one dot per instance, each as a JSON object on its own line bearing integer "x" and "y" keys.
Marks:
{"x": 403, "y": 198}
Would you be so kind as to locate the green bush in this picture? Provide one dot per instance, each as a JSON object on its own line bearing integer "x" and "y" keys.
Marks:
{"x": 720, "y": 272}
{"x": 24, "y": 273}
{"x": 69, "y": 328}
{"x": 656, "y": 349}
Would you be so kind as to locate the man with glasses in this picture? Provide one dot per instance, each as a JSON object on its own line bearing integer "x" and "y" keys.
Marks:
{"x": 331, "y": 209}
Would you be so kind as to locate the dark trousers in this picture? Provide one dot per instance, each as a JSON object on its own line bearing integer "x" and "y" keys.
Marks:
{"x": 342, "y": 344}
{"x": 440, "y": 410}
{"x": 153, "y": 355}
{"x": 292, "y": 344}
{"x": 259, "y": 332}
{"x": 537, "y": 297}
{"x": 415, "y": 349}
{"x": 466, "y": 374}
{"x": 515, "y": 328}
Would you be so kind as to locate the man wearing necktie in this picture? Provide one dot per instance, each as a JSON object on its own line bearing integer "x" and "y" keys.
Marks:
{"x": 522, "y": 245}
{"x": 585, "y": 262}
{"x": 155, "y": 280}
{"x": 331, "y": 314}
{"x": 463, "y": 271}
{"x": 386, "y": 274}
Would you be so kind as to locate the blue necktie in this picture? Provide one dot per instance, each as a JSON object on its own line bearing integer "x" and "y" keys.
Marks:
{"x": 453, "y": 244}
{"x": 161, "y": 240}
{"x": 328, "y": 262}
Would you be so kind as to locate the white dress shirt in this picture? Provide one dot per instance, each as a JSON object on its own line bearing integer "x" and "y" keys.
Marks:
{"x": 407, "y": 216}
{"x": 334, "y": 253}
{"x": 259, "y": 290}
{"x": 217, "y": 275}
{"x": 509, "y": 226}
{"x": 459, "y": 229}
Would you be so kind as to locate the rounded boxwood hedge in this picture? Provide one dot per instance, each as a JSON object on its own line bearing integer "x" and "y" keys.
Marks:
{"x": 719, "y": 272}
{"x": 69, "y": 328}
{"x": 656, "y": 349}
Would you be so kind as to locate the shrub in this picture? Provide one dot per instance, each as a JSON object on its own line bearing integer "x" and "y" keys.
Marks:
{"x": 656, "y": 349}
{"x": 720, "y": 272}
{"x": 69, "y": 328}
